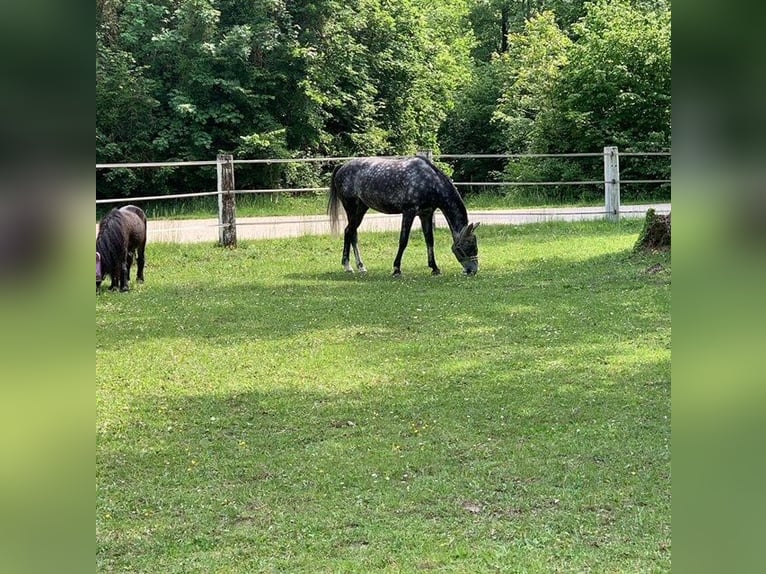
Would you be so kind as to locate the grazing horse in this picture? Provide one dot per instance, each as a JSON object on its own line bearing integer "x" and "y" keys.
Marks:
{"x": 121, "y": 234}
{"x": 411, "y": 186}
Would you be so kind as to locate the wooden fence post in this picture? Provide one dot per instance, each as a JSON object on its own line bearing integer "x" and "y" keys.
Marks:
{"x": 227, "y": 218}
{"x": 426, "y": 153}
{"x": 612, "y": 183}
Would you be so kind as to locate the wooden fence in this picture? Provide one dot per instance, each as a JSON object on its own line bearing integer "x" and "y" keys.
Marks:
{"x": 226, "y": 192}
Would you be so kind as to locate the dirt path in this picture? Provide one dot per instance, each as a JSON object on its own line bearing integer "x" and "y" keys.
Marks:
{"x": 200, "y": 230}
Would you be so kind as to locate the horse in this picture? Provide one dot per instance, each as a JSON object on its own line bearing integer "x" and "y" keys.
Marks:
{"x": 410, "y": 186}
{"x": 121, "y": 234}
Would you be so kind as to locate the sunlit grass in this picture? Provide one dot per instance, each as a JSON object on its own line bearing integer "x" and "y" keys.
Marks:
{"x": 260, "y": 410}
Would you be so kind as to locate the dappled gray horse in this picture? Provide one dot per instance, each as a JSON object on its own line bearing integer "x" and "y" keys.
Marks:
{"x": 411, "y": 186}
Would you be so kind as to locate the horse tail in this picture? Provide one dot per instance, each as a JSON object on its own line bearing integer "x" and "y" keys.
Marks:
{"x": 333, "y": 202}
{"x": 140, "y": 212}
{"x": 142, "y": 215}
{"x": 110, "y": 240}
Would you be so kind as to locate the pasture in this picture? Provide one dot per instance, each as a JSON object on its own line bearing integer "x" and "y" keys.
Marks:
{"x": 260, "y": 410}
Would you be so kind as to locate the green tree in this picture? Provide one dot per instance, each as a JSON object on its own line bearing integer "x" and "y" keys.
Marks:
{"x": 604, "y": 82}
{"x": 126, "y": 109}
{"x": 492, "y": 21}
{"x": 187, "y": 79}
{"x": 468, "y": 127}
{"x": 375, "y": 76}
{"x": 531, "y": 70}
{"x": 615, "y": 90}
{"x": 495, "y": 112}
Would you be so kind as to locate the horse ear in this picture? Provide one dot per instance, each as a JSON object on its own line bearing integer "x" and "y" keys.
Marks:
{"x": 470, "y": 228}
{"x": 98, "y": 257}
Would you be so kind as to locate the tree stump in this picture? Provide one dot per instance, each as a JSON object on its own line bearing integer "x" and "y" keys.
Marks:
{"x": 655, "y": 236}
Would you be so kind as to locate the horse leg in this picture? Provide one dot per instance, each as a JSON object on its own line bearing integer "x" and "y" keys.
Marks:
{"x": 140, "y": 264}
{"x": 427, "y": 223}
{"x": 355, "y": 213}
{"x": 130, "y": 264}
{"x": 127, "y": 259}
{"x": 347, "y": 248}
{"x": 115, "y": 278}
{"x": 125, "y": 276}
{"x": 355, "y": 246}
{"x": 404, "y": 237}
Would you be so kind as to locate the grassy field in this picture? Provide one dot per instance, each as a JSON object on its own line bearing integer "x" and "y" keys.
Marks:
{"x": 259, "y": 410}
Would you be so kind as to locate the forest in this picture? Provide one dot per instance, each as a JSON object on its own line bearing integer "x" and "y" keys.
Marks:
{"x": 181, "y": 80}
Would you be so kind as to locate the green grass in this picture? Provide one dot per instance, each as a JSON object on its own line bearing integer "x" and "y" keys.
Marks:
{"x": 259, "y": 410}
{"x": 248, "y": 205}
{"x": 252, "y": 205}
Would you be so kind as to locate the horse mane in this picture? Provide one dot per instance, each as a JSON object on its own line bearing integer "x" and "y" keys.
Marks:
{"x": 442, "y": 176}
{"x": 110, "y": 241}
{"x": 455, "y": 199}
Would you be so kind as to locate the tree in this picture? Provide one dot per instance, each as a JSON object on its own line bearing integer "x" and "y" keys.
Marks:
{"x": 492, "y": 21}
{"x": 610, "y": 85}
{"x": 187, "y": 79}
{"x": 377, "y": 77}
{"x": 468, "y": 127}
{"x": 531, "y": 70}
{"x": 617, "y": 88}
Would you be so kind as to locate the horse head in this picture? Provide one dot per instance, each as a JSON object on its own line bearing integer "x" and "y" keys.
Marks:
{"x": 99, "y": 273}
{"x": 466, "y": 249}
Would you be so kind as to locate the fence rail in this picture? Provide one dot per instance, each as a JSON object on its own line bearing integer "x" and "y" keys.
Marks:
{"x": 226, "y": 192}
{"x": 346, "y": 158}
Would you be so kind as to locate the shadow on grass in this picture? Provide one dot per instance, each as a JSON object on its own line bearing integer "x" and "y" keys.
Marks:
{"x": 553, "y": 293}
{"x": 300, "y": 479}
{"x": 327, "y": 422}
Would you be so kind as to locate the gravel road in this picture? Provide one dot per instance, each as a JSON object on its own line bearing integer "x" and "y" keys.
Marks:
{"x": 201, "y": 230}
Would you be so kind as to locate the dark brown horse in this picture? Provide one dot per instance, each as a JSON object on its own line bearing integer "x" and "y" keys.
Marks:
{"x": 121, "y": 235}
{"x": 411, "y": 186}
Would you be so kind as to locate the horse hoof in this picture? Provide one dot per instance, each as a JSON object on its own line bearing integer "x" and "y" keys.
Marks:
{"x": 349, "y": 270}
{"x": 362, "y": 270}
{"x": 436, "y": 272}
{"x": 396, "y": 273}
{"x": 141, "y": 280}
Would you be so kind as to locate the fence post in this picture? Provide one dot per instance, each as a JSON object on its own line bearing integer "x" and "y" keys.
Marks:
{"x": 612, "y": 183}
{"x": 426, "y": 153}
{"x": 227, "y": 218}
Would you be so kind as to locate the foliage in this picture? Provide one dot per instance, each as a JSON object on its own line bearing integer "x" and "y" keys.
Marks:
{"x": 531, "y": 68}
{"x": 465, "y": 129}
{"x": 271, "y": 79}
{"x": 187, "y": 79}
{"x": 609, "y": 86}
{"x": 260, "y": 410}
{"x": 617, "y": 89}
{"x": 489, "y": 19}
